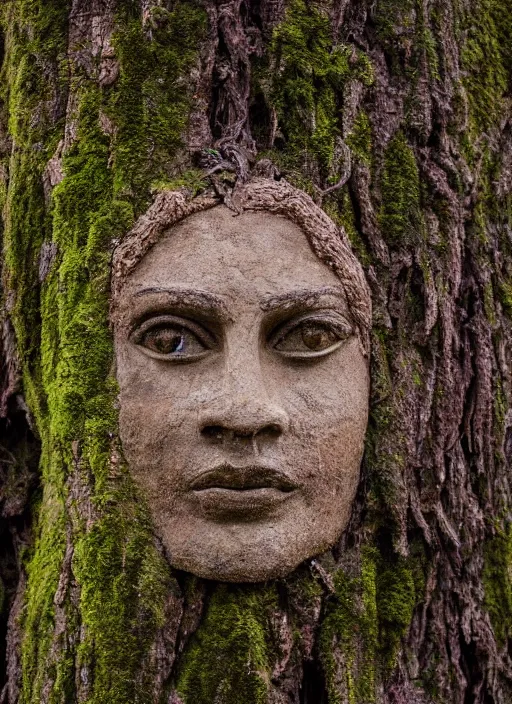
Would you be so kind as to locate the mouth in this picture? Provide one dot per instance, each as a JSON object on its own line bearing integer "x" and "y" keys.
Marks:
{"x": 245, "y": 492}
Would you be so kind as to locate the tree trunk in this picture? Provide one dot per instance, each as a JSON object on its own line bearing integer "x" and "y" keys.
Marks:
{"x": 394, "y": 115}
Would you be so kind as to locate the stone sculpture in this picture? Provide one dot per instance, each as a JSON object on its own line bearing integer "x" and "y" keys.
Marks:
{"x": 242, "y": 361}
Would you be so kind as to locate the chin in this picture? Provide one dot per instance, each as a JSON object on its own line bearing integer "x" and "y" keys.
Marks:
{"x": 241, "y": 569}
{"x": 245, "y": 553}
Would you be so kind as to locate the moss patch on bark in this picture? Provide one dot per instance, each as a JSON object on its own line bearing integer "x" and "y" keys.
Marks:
{"x": 308, "y": 75}
{"x": 349, "y": 635}
{"x": 229, "y": 658}
{"x": 94, "y": 607}
{"x": 497, "y": 580}
{"x": 400, "y": 215}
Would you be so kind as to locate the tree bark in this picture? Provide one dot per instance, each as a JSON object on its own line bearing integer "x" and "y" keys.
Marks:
{"x": 395, "y": 117}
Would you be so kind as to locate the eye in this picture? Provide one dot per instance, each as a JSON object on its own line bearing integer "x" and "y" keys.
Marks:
{"x": 174, "y": 339}
{"x": 311, "y": 337}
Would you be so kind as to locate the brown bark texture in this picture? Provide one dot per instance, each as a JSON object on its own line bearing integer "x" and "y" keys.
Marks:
{"x": 395, "y": 117}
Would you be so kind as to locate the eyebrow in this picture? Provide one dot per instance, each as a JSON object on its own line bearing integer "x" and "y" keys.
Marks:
{"x": 306, "y": 296}
{"x": 214, "y": 304}
{"x": 188, "y": 297}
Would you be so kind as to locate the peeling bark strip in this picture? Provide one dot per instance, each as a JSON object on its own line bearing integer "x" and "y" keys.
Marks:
{"x": 405, "y": 108}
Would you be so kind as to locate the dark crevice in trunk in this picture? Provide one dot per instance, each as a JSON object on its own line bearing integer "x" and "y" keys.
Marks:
{"x": 313, "y": 685}
{"x": 19, "y": 482}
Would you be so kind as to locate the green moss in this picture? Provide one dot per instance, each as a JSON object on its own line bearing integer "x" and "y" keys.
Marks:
{"x": 399, "y": 581}
{"x": 430, "y": 46}
{"x": 35, "y": 51}
{"x": 192, "y": 180}
{"x": 407, "y": 39}
{"x": 228, "y": 658}
{"x": 64, "y": 340}
{"x": 396, "y": 599}
{"x": 35, "y": 45}
{"x": 394, "y": 18}
{"x": 307, "y": 82}
{"x": 489, "y": 305}
{"x": 506, "y": 296}
{"x": 497, "y": 580}
{"x": 338, "y": 205}
{"x": 359, "y": 138}
{"x": 400, "y": 216}
{"x": 351, "y": 620}
{"x": 366, "y": 621}
{"x": 76, "y": 354}
{"x": 486, "y": 60}
{"x": 124, "y": 586}
{"x": 385, "y": 465}
{"x": 43, "y": 576}
{"x": 150, "y": 103}
{"x": 395, "y": 22}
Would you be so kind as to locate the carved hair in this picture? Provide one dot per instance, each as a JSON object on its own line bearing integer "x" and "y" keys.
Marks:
{"x": 328, "y": 241}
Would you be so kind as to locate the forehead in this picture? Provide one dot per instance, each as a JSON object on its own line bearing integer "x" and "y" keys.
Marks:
{"x": 218, "y": 251}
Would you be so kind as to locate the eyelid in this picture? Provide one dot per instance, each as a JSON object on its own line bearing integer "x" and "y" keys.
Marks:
{"x": 147, "y": 306}
{"x": 204, "y": 336}
{"x": 336, "y": 321}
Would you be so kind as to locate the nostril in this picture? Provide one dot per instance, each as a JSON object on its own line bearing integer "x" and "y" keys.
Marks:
{"x": 219, "y": 433}
{"x": 213, "y": 432}
{"x": 271, "y": 432}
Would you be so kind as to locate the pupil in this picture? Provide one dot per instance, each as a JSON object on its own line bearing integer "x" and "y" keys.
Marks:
{"x": 315, "y": 338}
{"x": 168, "y": 341}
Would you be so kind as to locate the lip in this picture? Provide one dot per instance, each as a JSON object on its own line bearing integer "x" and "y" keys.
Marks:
{"x": 245, "y": 492}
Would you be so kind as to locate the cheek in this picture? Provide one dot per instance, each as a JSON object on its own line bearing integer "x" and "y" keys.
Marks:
{"x": 155, "y": 397}
{"x": 155, "y": 434}
{"x": 156, "y": 446}
{"x": 329, "y": 394}
{"x": 153, "y": 418}
{"x": 158, "y": 421}
{"x": 328, "y": 409}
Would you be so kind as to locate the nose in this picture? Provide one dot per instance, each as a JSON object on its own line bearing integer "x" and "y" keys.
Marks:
{"x": 242, "y": 413}
{"x": 216, "y": 433}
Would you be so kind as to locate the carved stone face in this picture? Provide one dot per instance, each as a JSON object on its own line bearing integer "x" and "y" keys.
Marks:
{"x": 243, "y": 395}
